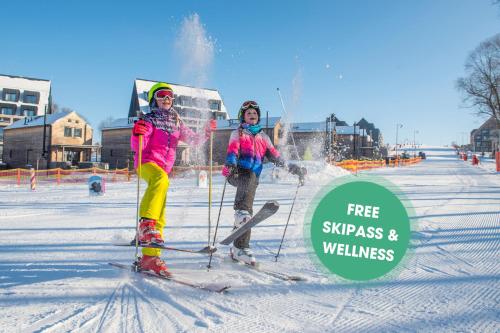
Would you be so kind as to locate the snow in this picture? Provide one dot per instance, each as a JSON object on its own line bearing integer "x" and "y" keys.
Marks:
{"x": 56, "y": 243}
{"x": 39, "y": 120}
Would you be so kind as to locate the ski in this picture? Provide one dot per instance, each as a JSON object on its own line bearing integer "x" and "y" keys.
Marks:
{"x": 218, "y": 288}
{"x": 275, "y": 274}
{"x": 266, "y": 211}
{"x": 205, "y": 250}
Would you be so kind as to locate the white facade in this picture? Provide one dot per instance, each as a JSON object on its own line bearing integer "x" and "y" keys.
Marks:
{"x": 195, "y": 105}
{"x": 22, "y": 97}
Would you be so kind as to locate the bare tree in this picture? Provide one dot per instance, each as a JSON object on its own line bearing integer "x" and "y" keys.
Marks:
{"x": 481, "y": 85}
{"x": 105, "y": 123}
{"x": 56, "y": 108}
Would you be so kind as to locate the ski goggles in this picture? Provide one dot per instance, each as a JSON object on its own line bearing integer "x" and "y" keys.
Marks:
{"x": 249, "y": 105}
{"x": 164, "y": 93}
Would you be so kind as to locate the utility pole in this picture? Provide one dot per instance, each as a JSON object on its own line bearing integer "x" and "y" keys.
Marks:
{"x": 333, "y": 132}
{"x": 44, "y": 148}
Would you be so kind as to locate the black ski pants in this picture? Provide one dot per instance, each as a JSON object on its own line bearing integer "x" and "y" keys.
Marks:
{"x": 246, "y": 183}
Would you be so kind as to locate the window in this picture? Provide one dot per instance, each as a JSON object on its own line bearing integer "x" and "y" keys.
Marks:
{"x": 30, "y": 97}
{"x": 12, "y": 97}
{"x": 68, "y": 131}
{"x": 111, "y": 152}
{"x": 78, "y": 132}
{"x": 1, "y": 134}
{"x": 215, "y": 105}
{"x": 69, "y": 120}
{"x": 7, "y": 110}
{"x": 28, "y": 110}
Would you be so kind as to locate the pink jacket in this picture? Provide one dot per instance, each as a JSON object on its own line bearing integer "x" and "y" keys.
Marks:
{"x": 248, "y": 151}
{"x": 159, "y": 146}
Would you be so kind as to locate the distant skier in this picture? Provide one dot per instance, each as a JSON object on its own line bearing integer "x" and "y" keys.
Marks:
{"x": 248, "y": 146}
{"x": 162, "y": 129}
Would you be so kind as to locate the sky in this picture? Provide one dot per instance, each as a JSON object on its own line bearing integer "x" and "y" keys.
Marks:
{"x": 391, "y": 62}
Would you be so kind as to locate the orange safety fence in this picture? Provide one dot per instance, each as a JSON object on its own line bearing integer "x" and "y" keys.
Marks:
{"x": 359, "y": 165}
{"x": 64, "y": 176}
{"x": 61, "y": 176}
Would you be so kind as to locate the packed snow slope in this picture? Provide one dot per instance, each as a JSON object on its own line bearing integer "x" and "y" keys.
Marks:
{"x": 55, "y": 244}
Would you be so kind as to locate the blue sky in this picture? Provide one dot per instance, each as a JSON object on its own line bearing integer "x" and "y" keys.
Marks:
{"x": 388, "y": 61}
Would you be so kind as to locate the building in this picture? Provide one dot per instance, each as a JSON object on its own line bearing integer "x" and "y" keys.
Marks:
{"x": 485, "y": 139}
{"x": 115, "y": 140}
{"x": 304, "y": 141}
{"x": 194, "y": 105}
{"x": 372, "y": 131}
{"x": 313, "y": 140}
{"x": 22, "y": 97}
{"x": 65, "y": 139}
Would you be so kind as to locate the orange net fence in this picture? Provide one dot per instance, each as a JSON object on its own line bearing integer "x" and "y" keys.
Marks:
{"x": 63, "y": 176}
{"x": 357, "y": 165}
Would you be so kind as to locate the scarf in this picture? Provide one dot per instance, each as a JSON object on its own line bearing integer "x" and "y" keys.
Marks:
{"x": 166, "y": 120}
{"x": 254, "y": 129}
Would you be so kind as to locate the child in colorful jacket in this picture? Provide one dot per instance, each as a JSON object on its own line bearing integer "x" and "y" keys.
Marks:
{"x": 248, "y": 146}
{"x": 161, "y": 130}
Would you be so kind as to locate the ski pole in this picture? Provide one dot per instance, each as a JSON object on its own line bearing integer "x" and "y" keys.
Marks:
{"x": 210, "y": 187}
{"x": 217, "y": 225}
{"x": 286, "y": 226}
{"x": 286, "y": 115}
{"x": 137, "y": 217}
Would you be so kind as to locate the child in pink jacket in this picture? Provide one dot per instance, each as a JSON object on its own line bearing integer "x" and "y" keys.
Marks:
{"x": 248, "y": 146}
{"x": 161, "y": 130}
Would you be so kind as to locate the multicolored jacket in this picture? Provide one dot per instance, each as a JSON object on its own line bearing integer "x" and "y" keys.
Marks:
{"x": 159, "y": 144}
{"x": 247, "y": 150}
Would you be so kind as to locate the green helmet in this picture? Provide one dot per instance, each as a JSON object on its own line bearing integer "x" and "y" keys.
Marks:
{"x": 155, "y": 88}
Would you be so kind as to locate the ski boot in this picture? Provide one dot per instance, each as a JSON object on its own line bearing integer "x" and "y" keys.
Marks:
{"x": 148, "y": 234}
{"x": 245, "y": 255}
{"x": 154, "y": 265}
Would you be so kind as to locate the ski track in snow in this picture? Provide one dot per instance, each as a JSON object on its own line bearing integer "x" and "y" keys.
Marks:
{"x": 55, "y": 244}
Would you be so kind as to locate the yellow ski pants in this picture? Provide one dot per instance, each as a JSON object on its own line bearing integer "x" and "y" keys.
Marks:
{"x": 154, "y": 200}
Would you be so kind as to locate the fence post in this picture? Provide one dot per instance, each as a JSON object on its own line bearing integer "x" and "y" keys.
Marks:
{"x": 58, "y": 177}
{"x": 18, "y": 177}
{"x": 32, "y": 179}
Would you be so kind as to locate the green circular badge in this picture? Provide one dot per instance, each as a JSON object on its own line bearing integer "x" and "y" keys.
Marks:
{"x": 360, "y": 230}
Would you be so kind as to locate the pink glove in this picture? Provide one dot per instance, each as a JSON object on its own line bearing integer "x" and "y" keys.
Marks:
{"x": 140, "y": 128}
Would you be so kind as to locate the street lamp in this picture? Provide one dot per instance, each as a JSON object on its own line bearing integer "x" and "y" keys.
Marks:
{"x": 414, "y": 144}
{"x": 398, "y": 126}
{"x": 354, "y": 140}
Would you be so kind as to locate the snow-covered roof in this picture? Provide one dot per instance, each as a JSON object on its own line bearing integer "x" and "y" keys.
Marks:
{"x": 227, "y": 124}
{"x": 234, "y": 123}
{"x": 308, "y": 127}
{"x": 143, "y": 86}
{"x": 38, "y": 120}
{"x": 321, "y": 127}
{"x": 120, "y": 123}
